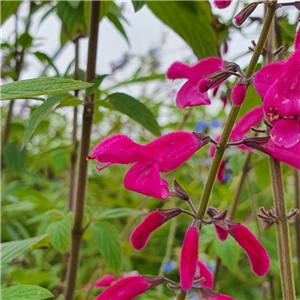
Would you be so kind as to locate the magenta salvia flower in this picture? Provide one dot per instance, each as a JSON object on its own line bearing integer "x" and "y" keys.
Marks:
{"x": 106, "y": 281}
{"x": 238, "y": 94}
{"x": 142, "y": 232}
{"x": 279, "y": 86}
{"x": 257, "y": 255}
{"x": 221, "y": 4}
{"x": 189, "y": 94}
{"x": 289, "y": 156}
{"x": 163, "y": 155}
{"x": 129, "y": 288}
{"x": 189, "y": 256}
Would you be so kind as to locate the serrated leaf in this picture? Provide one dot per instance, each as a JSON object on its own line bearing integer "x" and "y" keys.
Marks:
{"x": 60, "y": 235}
{"x": 40, "y": 86}
{"x": 11, "y": 250}
{"x": 14, "y": 158}
{"x": 107, "y": 240}
{"x": 228, "y": 251}
{"x": 135, "y": 110}
{"x": 117, "y": 213}
{"x": 137, "y": 5}
{"x": 191, "y": 20}
{"x": 8, "y": 8}
{"x": 97, "y": 82}
{"x": 25, "y": 292}
{"x": 38, "y": 115}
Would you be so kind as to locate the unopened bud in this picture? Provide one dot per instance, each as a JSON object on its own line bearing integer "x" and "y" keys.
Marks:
{"x": 179, "y": 192}
{"x": 242, "y": 16}
{"x": 169, "y": 213}
{"x": 238, "y": 94}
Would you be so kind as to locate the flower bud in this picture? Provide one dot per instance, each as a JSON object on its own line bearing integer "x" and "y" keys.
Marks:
{"x": 242, "y": 16}
{"x": 238, "y": 94}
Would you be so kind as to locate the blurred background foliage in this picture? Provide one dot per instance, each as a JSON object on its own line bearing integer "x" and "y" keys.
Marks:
{"x": 36, "y": 179}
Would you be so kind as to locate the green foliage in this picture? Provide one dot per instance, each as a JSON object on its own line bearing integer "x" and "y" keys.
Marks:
{"x": 135, "y": 110}
{"x": 106, "y": 238}
{"x": 25, "y": 89}
{"x": 60, "y": 235}
{"x": 192, "y": 20}
{"x": 138, "y": 5}
{"x": 25, "y": 292}
{"x": 11, "y": 250}
{"x": 14, "y": 158}
{"x": 8, "y": 8}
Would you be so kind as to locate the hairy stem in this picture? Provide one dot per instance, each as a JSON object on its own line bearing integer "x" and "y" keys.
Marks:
{"x": 297, "y": 222}
{"x": 73, "y": 157}
{"x": 87, "y": 121}
{"x": 233, "y": 115}
{"x": 282, "y": 232}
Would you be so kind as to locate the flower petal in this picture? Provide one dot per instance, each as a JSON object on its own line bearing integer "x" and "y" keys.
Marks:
{"x": 189, "y": 258}
{"x": 204, "y": 272}
{"x": 266, "y": 76}
{"x": 144, "y": 178}
{"x": 189, "y": 96}
{"x": 221, "y": 4}
{"x": 117, "y": 149}
{"x": 258, "y": 256}
{"x": 125, "y": 289}
{"x": 238, "y": 94}
{"x": 178, "y": 70}
{"x": 223, "y": 297}
{"x": 172, "y": 150}
{"x": 221, "y": 233}
{"x": 243, "y": 126}
{"x": 285, "y": 133}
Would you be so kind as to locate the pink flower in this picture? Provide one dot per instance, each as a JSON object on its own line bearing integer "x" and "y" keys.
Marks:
{"x": 258, "y": 256}
{"x": 106, "y": 280}
{"x": 163, "y": 155}
{"x": 141, "y": 234}
{"x": 279, "y": 86}
{"x": 189, "y": 94}
{"x": 189, "y": 256}
{"x": 129, "y": 288}
{"x": 238, "y": 94}
{"x": 289, "y": 156}
{"x": 221, "y": 4}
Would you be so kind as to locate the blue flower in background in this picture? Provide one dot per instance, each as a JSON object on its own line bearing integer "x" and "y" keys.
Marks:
{"x": 170, "y": 266}
{"x": 216, "y": 124}
{"x": 202, "y": 125}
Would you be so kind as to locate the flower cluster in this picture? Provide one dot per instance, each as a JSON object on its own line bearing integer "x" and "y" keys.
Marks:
{"x": 163, "y": 155}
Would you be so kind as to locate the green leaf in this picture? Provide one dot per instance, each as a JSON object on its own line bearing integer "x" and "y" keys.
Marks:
{"x": 192, "y": 20}
{"x": 228, "y": 251}
{"x": 70, "y": 101}
{"x": 8, "y": 8}
{"x": 97, "y": 82}
{"x": 39, "y": 114}
{"x": 107, "y": 240}
{"x": 137, "y": 5}
{"x": 25, "y": 40}
{"x": 74, "y": 3}
{"x": 135, "y": 110}
{"x": 60, "y": 235}
{"x": 14, "y": 158}
{"x": 44, "y": 58}
{"x": 12, "y": 250}
{"x": 40, "y": 86}
{"x": 117, "y": 213}
{"x": 116, "y": 22}
{"x": 74, "y": 24}
{"x": 25, "y": 292}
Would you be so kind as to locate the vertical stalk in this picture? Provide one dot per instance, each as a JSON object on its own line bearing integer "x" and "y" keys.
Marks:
{"x": 282, "y": 232}
{"x": 74, "y": 134}
{"x": 87, "y": 121}
{"x": 297, "y": 223}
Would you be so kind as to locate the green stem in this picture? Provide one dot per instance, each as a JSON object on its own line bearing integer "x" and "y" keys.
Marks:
{"x": 233, "y": 115}
{"x": 297, "y": 222}
{"x": 282, "y": 233}
{"x": 87, "y": 121}
{"x": 181, "y": 295}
